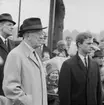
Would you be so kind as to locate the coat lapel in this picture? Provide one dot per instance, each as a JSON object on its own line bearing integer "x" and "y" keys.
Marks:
{"x": 81, "y": 65}
{"x": 29, "y": 54}
{"x": 3, "y": 45}
{"x": 90, "y": 67}
{"x": 10, "y": 44}
{"x": 33, "y": 58}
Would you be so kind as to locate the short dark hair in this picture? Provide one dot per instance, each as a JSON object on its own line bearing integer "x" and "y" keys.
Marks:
{"x": 81, "y": 37}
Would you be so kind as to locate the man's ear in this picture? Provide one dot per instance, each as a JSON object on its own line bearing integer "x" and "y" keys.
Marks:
{"x": 26, "y": 35}
{"x": 79, "y": 44}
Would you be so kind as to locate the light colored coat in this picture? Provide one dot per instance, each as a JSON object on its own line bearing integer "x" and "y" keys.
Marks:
{"x": 24, "y": 78}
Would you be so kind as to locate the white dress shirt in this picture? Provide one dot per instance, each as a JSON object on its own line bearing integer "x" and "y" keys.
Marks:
{"x": 3, "y": 39}
{"x": 83, "y": 59}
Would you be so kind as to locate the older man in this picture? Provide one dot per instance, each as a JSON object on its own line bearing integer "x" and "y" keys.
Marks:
{"x": 6, "y": 27}
{"x": 24, "y": 78}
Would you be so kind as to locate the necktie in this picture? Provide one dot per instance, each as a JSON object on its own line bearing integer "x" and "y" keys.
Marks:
{"x": 35, "y": 55}
{"x": 6, "y": 43}
{"x": 85, "y": 62}
{"x": 39, "y": 52}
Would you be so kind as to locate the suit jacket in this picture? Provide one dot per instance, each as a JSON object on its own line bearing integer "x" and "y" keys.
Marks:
{"x": 4, "y": 50}
{"x": 24, "y": 78}
{"x": 11, "y": 44}
{"x": 78, "y": 85}
{"x": 3, "y": 55}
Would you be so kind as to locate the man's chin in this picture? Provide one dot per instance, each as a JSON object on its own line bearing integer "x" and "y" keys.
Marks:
{"x": 9, "y": 34}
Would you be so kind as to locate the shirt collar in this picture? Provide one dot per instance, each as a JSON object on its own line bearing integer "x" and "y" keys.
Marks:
{"x": 82, "y": 57}
{"x": 31, "y": 49}
{"x": 3, "y": 39}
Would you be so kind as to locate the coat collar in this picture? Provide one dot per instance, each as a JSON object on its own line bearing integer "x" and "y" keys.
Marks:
{"x": 81, "y": 64}
{"x": 3, "y": 45}
{"x": 30, "y": 54}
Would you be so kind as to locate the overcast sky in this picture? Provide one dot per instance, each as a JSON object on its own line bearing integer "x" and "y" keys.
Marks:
{"x": 82, "y": 15}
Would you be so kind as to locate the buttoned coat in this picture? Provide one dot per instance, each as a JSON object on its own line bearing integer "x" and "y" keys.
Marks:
{"x": 78, "y": 85}
{"x": 24, "y": 78}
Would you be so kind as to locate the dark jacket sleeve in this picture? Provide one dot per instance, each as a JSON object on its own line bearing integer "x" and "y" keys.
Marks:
{"x": 65, "y": 84}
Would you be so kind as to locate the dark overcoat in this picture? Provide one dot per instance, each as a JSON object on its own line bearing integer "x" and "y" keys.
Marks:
{"x": 3, "y": 55}
{"x": 4, "y": 50}
{"x": 78, "y": 85}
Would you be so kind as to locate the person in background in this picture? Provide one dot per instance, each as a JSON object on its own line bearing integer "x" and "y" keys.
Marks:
{"x": 71, "y": 46}
{"x": 60, "y": 54}
{"x": 52, "y": 83}
{"x": 95, "y": 42}
{"x": 24, "y": 80}
{"x": 43, "y": 48}
{"x": 45, "y": 56}
{"x": 79, "y": 78}
{"x": 6, "y": 28}
{"x": 93, "y": 49}
{"x": 45, "y": 60}
{"x": 99, "y": 57}
{"x": 68, "y": 40}
{"x": 101, "y": 44}
{"x": 61, "y": 49}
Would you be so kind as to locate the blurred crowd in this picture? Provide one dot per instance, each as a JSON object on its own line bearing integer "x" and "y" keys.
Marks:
{"x": 51, "y": 61}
